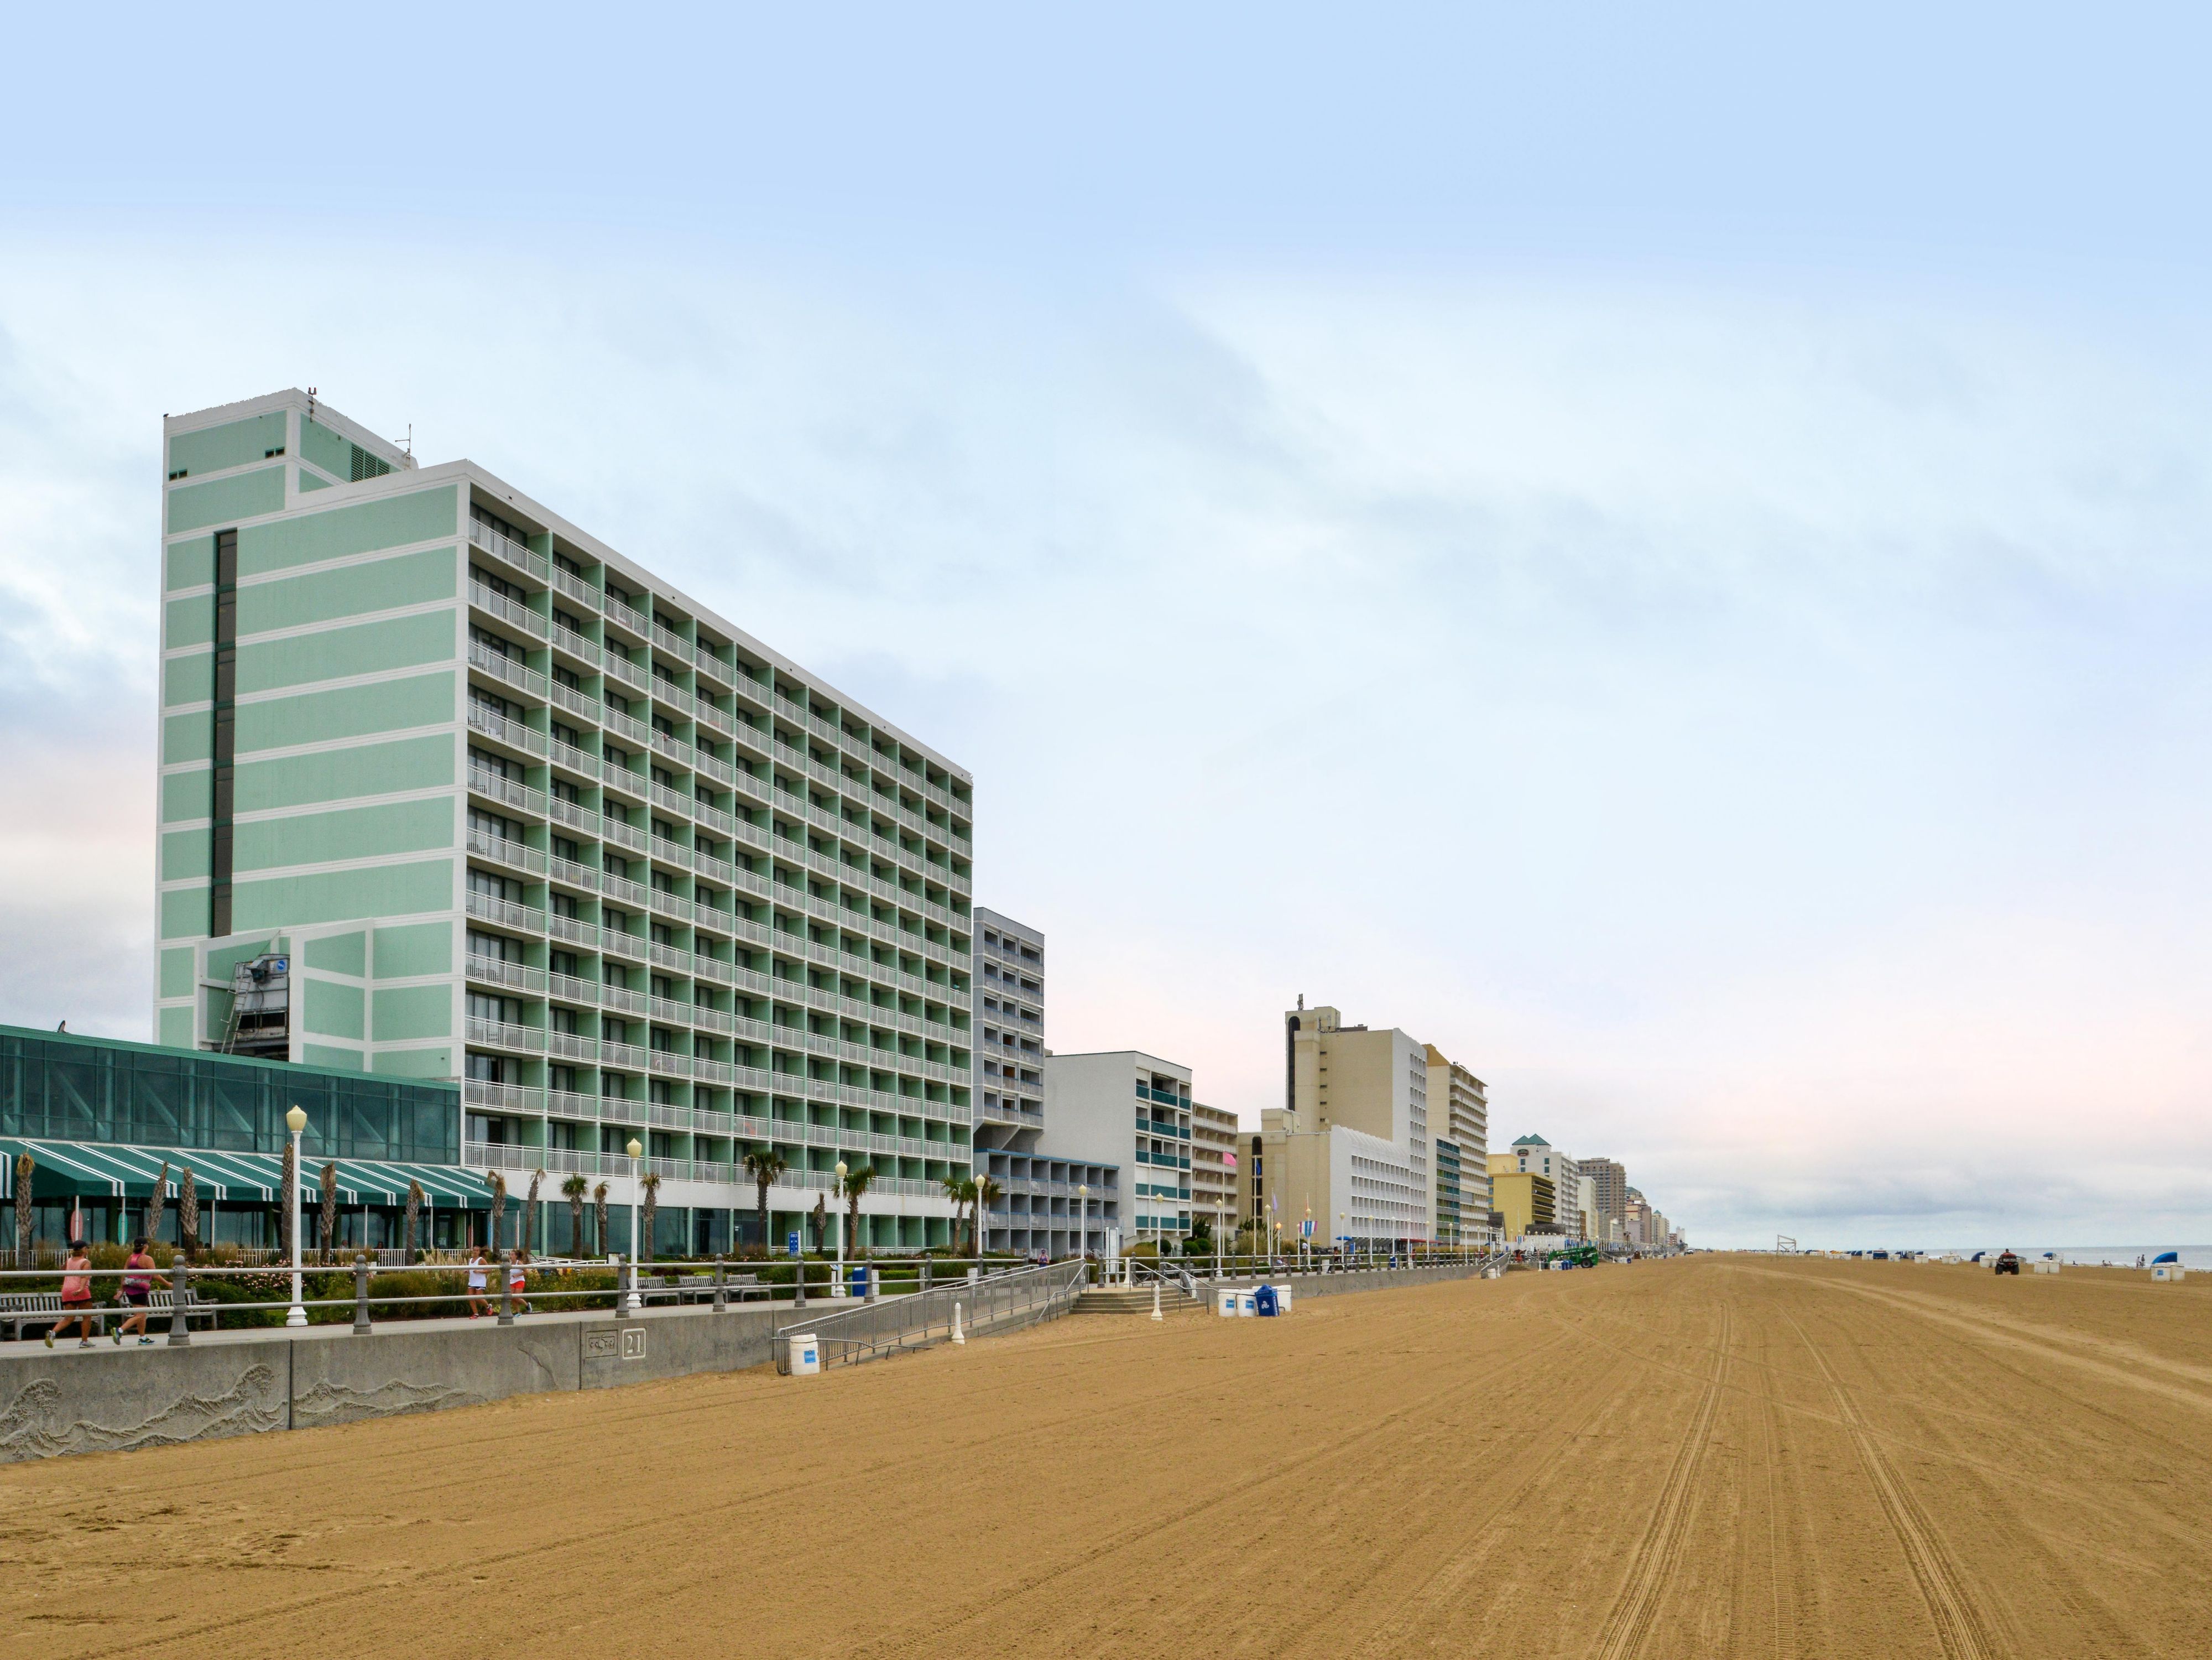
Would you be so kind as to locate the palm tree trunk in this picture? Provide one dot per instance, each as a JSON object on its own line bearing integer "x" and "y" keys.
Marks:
{"x": 414, "y": 1216}
{"x": 25, "y": 1164}
{"x": 158, "y": 1206}
{"x": 289, "y": 1184}
{"x": 188, "y": 1215}
{"x": 599, "y": 1215}
{"x": 575, "y": 1225}
{"x": 330, "y": 1217}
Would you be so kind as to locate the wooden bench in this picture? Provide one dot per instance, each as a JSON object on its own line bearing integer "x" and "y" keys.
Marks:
{"x": 159, "y": 1304}
{"x": 699, "y": 1288}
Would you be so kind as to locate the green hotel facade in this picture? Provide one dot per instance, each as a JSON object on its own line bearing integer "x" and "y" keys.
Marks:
{"x": 475, "y": 801}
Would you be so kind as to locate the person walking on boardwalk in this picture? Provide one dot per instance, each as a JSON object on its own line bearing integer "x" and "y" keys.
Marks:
{"x": 76, "y": 1295}
{"x": 478, "y": 1303}
{"x": 138, "y": 1280}
{"x": 516, "y": 1279}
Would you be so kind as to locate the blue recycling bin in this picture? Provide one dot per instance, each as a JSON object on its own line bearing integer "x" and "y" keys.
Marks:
{"x": 859, "y": 1281}
{"x": 1263, "y": 1301}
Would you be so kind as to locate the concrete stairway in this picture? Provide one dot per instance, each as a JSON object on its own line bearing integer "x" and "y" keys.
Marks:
{"x": 1133, "y": 1299}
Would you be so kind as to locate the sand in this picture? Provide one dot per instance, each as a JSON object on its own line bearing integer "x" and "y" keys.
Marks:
{"x": 1721, "y": 1456}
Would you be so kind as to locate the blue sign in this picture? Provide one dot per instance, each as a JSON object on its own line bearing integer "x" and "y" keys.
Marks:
{"x": 791, "y": 1242}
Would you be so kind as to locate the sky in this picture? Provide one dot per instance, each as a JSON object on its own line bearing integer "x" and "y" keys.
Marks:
{"x": 1661, "y": 550}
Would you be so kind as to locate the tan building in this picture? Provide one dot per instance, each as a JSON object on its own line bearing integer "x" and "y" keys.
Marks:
{"x": 1350, "y": 1081}
{"x": 1213, "y": 1168}
{"x": 1460, "y": 1106}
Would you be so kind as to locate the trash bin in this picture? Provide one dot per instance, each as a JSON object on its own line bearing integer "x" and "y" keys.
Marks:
{"x": 858, "y": 1280}
{"x": 805, "y": 1354}
{"x": 1263, "y": 1302}
{"x": 1282, "y": 1298}
{"x": 1224, "y": 1302}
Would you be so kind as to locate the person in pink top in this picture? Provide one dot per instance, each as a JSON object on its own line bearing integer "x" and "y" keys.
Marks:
{"x": 138, "y": 1281}
{"x": 76, "y": 1295}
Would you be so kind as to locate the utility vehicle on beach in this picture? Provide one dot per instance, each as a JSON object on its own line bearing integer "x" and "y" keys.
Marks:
{"x": 2008, "y": 1264}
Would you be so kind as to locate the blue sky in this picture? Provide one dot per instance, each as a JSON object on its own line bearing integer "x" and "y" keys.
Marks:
{"x": 1664, "y": 554}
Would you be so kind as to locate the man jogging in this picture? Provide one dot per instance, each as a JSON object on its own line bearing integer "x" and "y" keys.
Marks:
{"x": 76, "y": 1297}
{"x": 138, "y": 1280}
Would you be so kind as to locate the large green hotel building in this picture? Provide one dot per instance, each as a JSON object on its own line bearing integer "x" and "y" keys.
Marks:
{"x": 450, "y": 790}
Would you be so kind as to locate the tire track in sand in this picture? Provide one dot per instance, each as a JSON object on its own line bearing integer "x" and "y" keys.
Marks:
{"x": 1629, "y": 1622}
{"x": 1959, "y": 1626}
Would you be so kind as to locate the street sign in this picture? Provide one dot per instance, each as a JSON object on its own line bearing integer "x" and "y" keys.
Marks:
{"x": 791, "y": 1242}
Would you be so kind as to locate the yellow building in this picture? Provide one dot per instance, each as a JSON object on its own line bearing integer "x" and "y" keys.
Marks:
{"x": 1525, "y": 1199}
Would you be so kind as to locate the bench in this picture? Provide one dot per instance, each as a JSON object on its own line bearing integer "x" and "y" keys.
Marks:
{"x": 699, "y": 1288}
{"x": 38, "y": 1308}
{"x": 19, "y": 1309}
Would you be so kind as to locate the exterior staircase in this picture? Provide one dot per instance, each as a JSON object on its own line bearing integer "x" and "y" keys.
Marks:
{"x": 1133, "y": 1299}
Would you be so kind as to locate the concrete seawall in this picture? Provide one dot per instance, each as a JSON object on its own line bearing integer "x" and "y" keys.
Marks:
{"x": 110, "y": 1400}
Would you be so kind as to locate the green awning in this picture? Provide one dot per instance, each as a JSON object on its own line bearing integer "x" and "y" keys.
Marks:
{"x": 94, "y": 1169}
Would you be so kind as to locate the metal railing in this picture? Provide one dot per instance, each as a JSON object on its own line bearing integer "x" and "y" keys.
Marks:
{"x": 994, "y": 1302}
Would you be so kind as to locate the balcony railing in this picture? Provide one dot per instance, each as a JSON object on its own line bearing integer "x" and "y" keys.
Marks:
{"x": 508, "y": 791}
{"x": 572, "y": 759}
{"x": 569, "y": 988}
{"x": 571, "y": 929}
{"x": 630, "y": 1057}
{"x": 615, "y": 943}
{"x": 625, "y": 617}
{"x": 490, "y": 970}
{"x": 501, "y": 1034}
{"x": 500, "y": 666}
{"x": 572, "y": 874}
{"x": 508, "y": 612}
{"x": 571, "y": 1046}
{"x": 567, "y": 640}
{"x": 483, "y": 844}
{"x": 576, "y": 588}
{"x": 504, "y": 547}
{"x": 501, "y": 1098}
{"x": 506, "y": 913}
{"x": 621, "y": 668}
{"x": 620, "y": 835}
{"x": 574, "y": 814}
{"x": 666, "y": 639}
{"x": 499, "y": 728}
{"x": 625, "y": 999}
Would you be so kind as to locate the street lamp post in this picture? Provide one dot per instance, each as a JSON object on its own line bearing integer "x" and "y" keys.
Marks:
{"x": 636, "y": 1177}
{"x": 841, "y": 1229}
{"x": 296, "y": 1121}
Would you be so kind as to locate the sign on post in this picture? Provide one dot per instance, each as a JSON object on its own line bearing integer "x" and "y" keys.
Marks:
{"x": 791, "y": 1242}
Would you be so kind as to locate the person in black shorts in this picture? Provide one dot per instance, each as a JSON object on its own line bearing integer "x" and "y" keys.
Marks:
{"x": 138, "y": 1280}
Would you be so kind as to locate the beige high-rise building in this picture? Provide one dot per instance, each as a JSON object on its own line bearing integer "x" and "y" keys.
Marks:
{"x": 1461, "y": 1106}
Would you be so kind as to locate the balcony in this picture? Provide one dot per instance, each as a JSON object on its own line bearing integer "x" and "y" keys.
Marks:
{"x": 672, "y": 800}
{"x": 669, "y": 695}
{"x": 666, "y": 640}
{"x": 575, "y": 645}
{"x": 625, "y": 618}
{"x": 620, "y": 779}
{"x": 571, "y": 1046}
{"x": 527, "y": 919}
{"x": 499, "y": 1034}
{"x": 506, "y": 670}
{"x": 509, "y": 551}
{"x": 508, "y": 612}
{"x": 500, "y": 1097}
{"x": 630, "y": 1057}
{"x": 570, "y": 873}
{"x": 623, "y": 999}
{"x": 568, "y": 988}
{"x": 487, "y": 970}
{"x": 671, "y": 957}
{"x": 565, "y": 1105}
{"x": 499, "y": 850}
{"x": 627, "y": 727}
{"x": 615, "y": 943}
{"x": 576, "y": 588}
{"x": 622, "y": 890}
{"x": 666, "y": 904}
{"x": 573, "y": 814}
{"x": 666, "y": 1063}
{"x": 714, "y": 667}
{"x": 570, "y": 759}
{"x": 573, "y": 930}
{"x": 615, "y": 833}
{"x": 501, "y": 730}
{"x": 507, "y": 792}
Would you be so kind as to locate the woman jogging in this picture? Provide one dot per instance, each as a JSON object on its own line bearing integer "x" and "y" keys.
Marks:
{"x": 76, "y": 1295}
{"x": 138, "y": 1278}
{"x": 516, "y": 1280}
{"x": 478, "y": 1303}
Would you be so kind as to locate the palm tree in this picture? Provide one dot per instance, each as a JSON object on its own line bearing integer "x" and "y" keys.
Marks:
{"x": 414, "y": 1216}
{"x": 188, "y": 1215}
{"x": 158, "y": 1206}
{"x": 497, "y": 1182}
{"x": 329, "y": 1209}
{"x": 575, "y": 1188}
{"x": 529, "y": 1211}
{"x": 986, "y": 1190}
{"x": 856, "y": 1182}
{"x": 955, "y": 1189}
{"x": 25, "y": 1164}
{"x": 764, "y": 1165}
{"x": 289, "y": 1184}
{"x": 600, "y": 1216}
{"x": 641, "y": 1246}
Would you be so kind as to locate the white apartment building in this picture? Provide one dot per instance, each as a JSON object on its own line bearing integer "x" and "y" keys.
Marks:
{"x": 1048, "y": 1203}
{"x": 1571, "y": 1202}
{"x": 1129, "y": 1110}
{"x": 1461, "y": 1103}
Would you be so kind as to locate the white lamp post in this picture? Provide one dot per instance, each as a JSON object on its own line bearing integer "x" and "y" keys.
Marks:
{"x": 296, "y": 1121}
{"x": 841, "y": 1229}
{"x": 636, "y": 1179}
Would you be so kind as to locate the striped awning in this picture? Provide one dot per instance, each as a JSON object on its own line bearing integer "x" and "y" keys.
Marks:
{"x": 93, "y": 1169}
